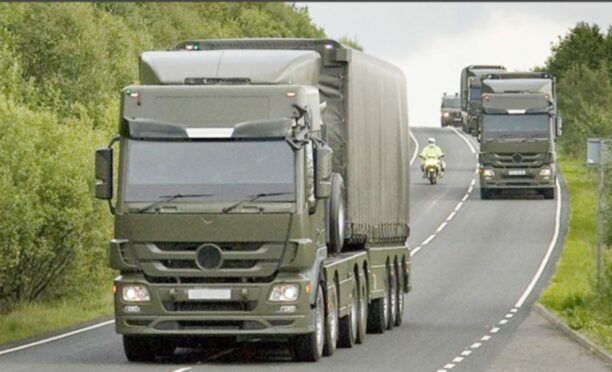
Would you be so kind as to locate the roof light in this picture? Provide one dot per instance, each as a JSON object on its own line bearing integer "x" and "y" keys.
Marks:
{"x": 131, "y": 93}
{"x": 329, "y": 46}
{"x": 210, "y": 132}
{"x": 291, "y": 94}
{"x": 194, "y": 46}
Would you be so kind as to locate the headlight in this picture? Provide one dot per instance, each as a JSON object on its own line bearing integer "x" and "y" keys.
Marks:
{"x": 446, "y": 114}
{"x": 488, "y": 172}
{"x": 546, "y": 172}
{"x": 285, "y": 293}
{"x": 135, "y": 293}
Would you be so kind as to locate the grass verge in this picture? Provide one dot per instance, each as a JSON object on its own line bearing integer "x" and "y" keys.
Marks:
{"x": 36, "y": 319}
{"x": 572, "y": 293}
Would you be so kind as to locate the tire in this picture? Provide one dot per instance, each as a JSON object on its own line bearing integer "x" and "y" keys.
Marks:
{"x": 401, "y": 300}
{"x": 549, "y": 193}
{"x": 332, "y": 327}
{"x": 363, "y": 315}
{"x": 392, "y": 294}
{"x": 377, "y": 319}
{"x": 309, "y": 347}
{"x": 336, "y": 215}
{"x": 349, "y": 323}
{"x": 485, "y": 194}
{"x": 145, "y": 349}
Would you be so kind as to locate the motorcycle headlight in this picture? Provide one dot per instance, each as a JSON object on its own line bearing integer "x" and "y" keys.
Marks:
{"x": 284, "y": 293}
{"x": 135, "y": 293}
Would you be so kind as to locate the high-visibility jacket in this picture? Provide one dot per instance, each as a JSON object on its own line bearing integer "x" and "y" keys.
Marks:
{"x": 430, "y": 151}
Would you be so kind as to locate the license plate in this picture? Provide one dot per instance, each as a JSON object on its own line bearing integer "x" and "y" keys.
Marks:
{"x": 209, "y": 294}
{"x": 518, "y": 172}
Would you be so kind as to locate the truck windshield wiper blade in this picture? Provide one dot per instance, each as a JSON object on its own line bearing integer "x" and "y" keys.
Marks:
{"x": 253, "y": 198}
{"x": 169, "y": 198}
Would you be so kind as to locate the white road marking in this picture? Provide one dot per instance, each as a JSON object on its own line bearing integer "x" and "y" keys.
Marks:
{"x": 470, "y": 189}
{"x": 458, "y": 206}
{"x": 473, "y": 182}
{"x": 509, "y": 315}
{"x": 441, "y": 227}
{"x": 457, "y": 360}
{"x": 450, "y": 216}
{"x": 415, "y": 250}
{"x": 430, "y": 238}
{"x": 466, "y": 353}
{"x": 416, "y": 148}
{"x": 476, "y": 345}
{"x": 551, "y": 247}
{"x": 494, "y": 330}
{"x": 465, "y": 197}
{"x": 58, "y": 337}
{"x": 449, "y": 366}
{"x": 514, "y": 310}
{"x": 503, "y": 321}
{"x": 182, "y": 369}
{"x": 465, "y": 139}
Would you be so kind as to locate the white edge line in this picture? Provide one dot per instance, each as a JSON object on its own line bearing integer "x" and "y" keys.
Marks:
{"x": 441, "y": 227}
{"x": 415, "y": 251}
{"x": 451, "y": 216}
{"x": 182, "y": 369}
{"x": 416, "y": 149}
{"x": 465, "y": 139}
{"x": 58, "y": 337}
{"x": 430, "y": 238}
{"x": 551, "y": 247}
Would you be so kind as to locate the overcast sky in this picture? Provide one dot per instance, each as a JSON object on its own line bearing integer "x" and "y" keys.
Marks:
{"x": 432, "y": 42}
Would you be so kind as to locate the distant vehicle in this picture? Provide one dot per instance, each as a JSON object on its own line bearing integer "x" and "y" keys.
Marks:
{"x": 519, "y": 125}
{"x": 450, "y": 110}
{"x": 471, "y": 87}
{"x": 263, "y": 194}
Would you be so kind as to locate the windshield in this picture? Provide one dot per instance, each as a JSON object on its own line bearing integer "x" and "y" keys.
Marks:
{"x": 515, "y": 126}
{"x": 475, "y": 93}
{"x": 227, "y": 170}
{"x": 451, "y": 103}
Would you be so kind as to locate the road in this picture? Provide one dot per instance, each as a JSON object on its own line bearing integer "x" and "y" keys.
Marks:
{"x": 478, "y": 267}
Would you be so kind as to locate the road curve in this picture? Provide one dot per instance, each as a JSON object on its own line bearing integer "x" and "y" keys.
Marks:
{"x": 473, "y": 260}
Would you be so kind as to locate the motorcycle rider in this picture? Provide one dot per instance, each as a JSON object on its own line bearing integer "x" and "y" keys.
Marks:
{"x": 435, "y": 151}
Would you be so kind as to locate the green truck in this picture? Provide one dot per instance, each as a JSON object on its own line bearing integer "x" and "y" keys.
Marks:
{"x": 471, "y": 91}
{"x": 262, "y": 194}
{"x": 450, "y": 110}
{"x": 519, "y": 125}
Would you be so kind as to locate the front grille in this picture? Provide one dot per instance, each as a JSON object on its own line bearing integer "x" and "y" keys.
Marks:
{"x": 203, "y": 306}
{"x": 190, "y": 264}
{"x": 193, "y": 246}
{"x": 195, "y": 325}
{"x": 517, "y": 160}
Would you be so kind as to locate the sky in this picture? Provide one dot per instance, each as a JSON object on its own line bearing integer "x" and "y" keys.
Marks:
{"x": 432, "y": 42}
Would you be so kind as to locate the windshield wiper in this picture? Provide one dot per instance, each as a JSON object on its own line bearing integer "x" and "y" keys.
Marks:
{"x": 169, "y": 198}
{"x": 253, "y": 198}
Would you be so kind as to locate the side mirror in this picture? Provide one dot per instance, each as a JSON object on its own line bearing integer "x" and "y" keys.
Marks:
{"x": 104, "y": 173}
{"x": 559, "y": 126}
{"x": 323, "y": 171}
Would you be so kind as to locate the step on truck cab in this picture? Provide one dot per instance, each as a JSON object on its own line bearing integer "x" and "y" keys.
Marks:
{"x": 262, "y": 193}
{"x": 471, "y": 92}
{"x": 519, "y": 125}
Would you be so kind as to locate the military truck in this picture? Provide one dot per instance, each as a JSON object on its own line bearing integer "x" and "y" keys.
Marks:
{"x": 471, "y": 90}
{"x": 450, "y": 110}
{"x": 519, "y": 125}
{"x": 262, "y": 194}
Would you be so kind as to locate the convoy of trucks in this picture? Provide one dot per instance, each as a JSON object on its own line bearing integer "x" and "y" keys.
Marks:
{"x": 450, "y": 110}
{"x": 519, "y": 125}
{"x": 262, "y": 193}
{"x": 471, "y": 91}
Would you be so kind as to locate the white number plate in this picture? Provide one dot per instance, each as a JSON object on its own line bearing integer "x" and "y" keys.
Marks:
{"x": 209, "y": 294}
{"x": 517, "y": 172}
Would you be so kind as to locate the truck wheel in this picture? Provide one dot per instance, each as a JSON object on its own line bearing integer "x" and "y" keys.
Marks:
{"x": 363, "y": 315}
{"x": 331, "y": 322}
{"x": 392, "y": 294}
{"x": 349, "y": 323}
{"x": 309, "y": 347}
{"x": 549, "y": 193}
{"x": 400, "y": 296}
{"x": 336, "y": 210}
{"x": 145, "y": 349}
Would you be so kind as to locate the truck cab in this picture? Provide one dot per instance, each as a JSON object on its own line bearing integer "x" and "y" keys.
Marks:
{"x": 450, "y": 110}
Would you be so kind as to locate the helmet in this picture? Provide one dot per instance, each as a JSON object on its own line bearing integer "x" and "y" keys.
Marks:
{"x": 431, "y": 141}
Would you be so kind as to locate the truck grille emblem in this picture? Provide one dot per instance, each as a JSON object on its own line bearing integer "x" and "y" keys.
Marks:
{"x": 517, "y": 158}
{"x": 209, "y": 257}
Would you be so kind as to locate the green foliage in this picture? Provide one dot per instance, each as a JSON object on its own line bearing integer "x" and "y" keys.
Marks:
{"x": 353, "y": 43}
{"x": 61, "y": 69}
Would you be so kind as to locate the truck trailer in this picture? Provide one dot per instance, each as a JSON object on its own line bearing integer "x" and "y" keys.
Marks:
{"x": 471, "y": 91}
{"x": 519, "y": 126}
{"x": 262, "y": 194}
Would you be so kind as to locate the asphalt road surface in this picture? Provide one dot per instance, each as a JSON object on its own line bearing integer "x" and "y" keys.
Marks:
{"x": 478, "y": 266}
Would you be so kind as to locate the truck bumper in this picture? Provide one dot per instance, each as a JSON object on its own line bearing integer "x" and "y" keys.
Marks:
{"x": 503, "y": 181}
{"x": 246, "y": 313}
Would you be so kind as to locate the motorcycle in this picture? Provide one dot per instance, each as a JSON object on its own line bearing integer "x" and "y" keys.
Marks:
{"x": 432, "y": 168}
